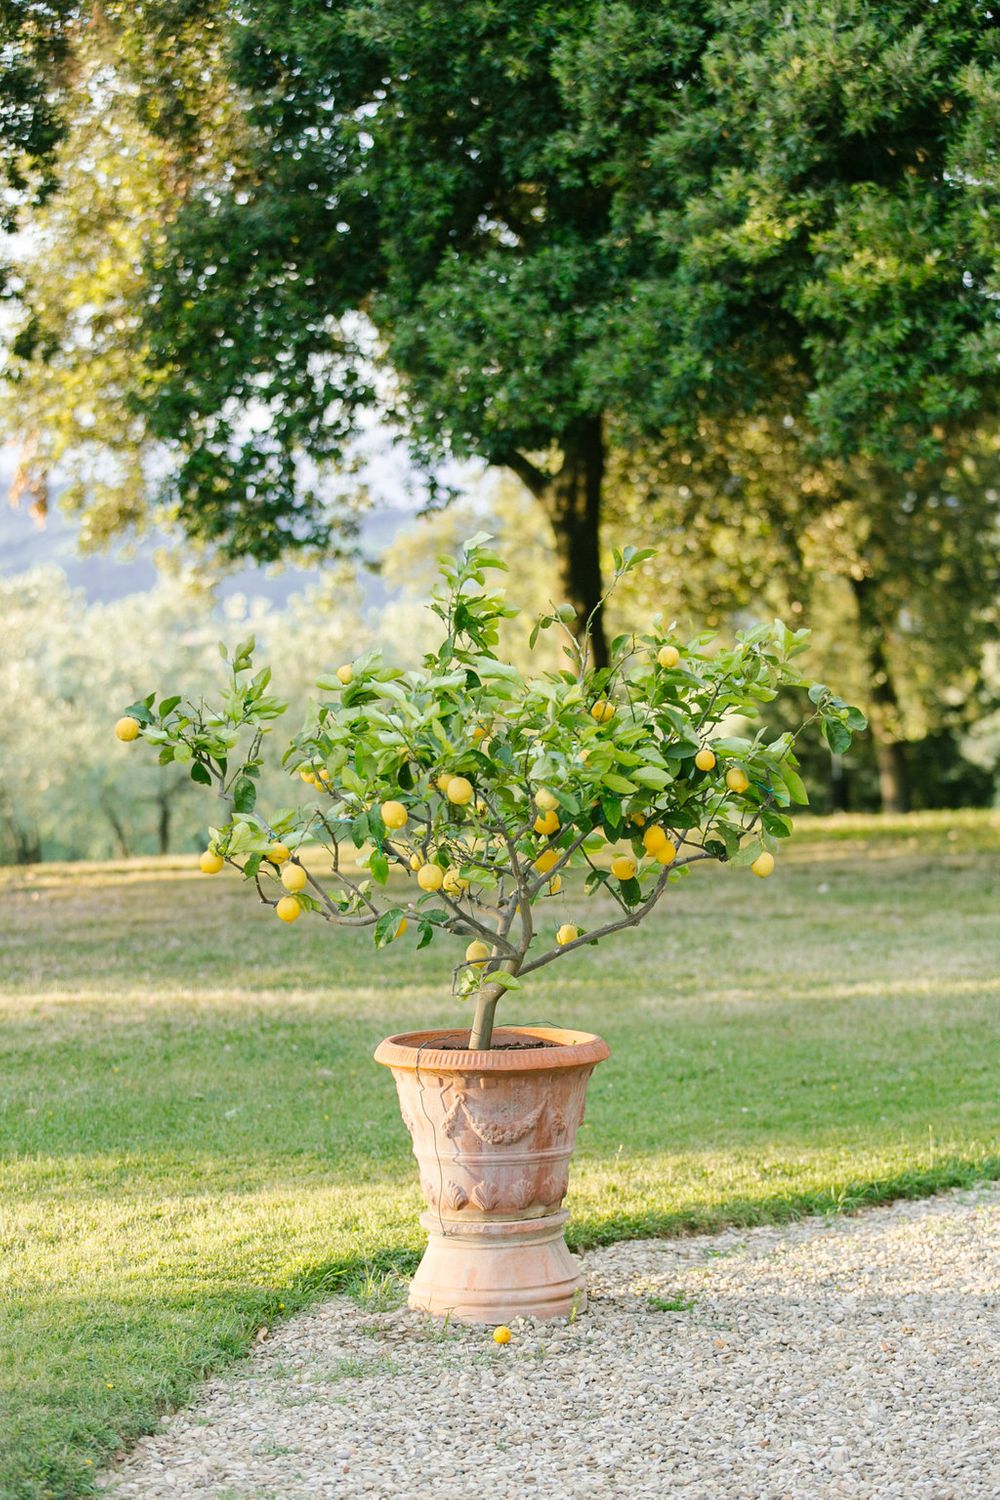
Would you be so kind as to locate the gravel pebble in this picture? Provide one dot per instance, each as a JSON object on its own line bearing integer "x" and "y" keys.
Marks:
{"x": 847, "y": 1357}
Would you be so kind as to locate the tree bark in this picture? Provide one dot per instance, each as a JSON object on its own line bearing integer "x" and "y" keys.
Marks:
{"x": 572, "y": 499}
{"x": 121, "y": 837}
{"x": 163, "y": 823}
{"x": 890, "y": 751}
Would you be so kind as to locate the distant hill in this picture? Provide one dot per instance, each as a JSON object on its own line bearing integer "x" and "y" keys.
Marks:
{"x": 110, "y": 575}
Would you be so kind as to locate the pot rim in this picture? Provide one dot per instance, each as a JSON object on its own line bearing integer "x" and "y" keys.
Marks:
{"x": 413, "y": 1051}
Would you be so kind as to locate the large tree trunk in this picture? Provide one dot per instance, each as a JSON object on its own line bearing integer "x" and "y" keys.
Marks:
{"x": 572, "y": 501}
{"x": 893, "y": 772}
{"x": 573, "y": 505}
{"x": 890, "y": 751}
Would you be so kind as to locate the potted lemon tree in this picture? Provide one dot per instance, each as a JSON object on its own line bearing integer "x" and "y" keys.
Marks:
{"x": 454, "y": 801}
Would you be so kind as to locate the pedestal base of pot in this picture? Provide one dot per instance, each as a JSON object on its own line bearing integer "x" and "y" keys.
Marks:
{"x": 490, "y": 1272}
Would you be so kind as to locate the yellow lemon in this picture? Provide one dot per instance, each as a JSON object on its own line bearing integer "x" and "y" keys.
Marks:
{"x": 306, "y": 774}
{"x": 603, "y": 711}
{"x": 736, "y": 780}
{"x": 546, "y": 860}
{"x": 430, "y": 877}
{"x": 394, "y": 814}
{"x": 477, "y": 953}
{"x": 416, "y": 861}
{"x": 127, "y": 729}
{"x": 704, "y": 760}
{"x": 324, "y": 774}
{"x": 567, "y": 934}
{"x": 294, "y": 878}
{"x": 278, "y": 853}
{"x": 639, "y": 819}
{"x": 345, "y": 674}
{"x": 442, "y": 781}
{"x": 545, "y": 800}
{"x": 546, "y": 823}
{"x": 623, "y": 867}
{"x": 288, "y": 909}
{"x": 459, "y": 790}
{"x": 763, "y": 864}
{"x": 653, "y": 838}
{"x": 666, "y": 852}
{"x": 478, "y": 733}
{"x": 453, "y": 883}
{"x": 211, "y": 863}
{"x": 501, "y": 1335}
{"x": 555, "y": 885}
{"x": 668, "y": 656}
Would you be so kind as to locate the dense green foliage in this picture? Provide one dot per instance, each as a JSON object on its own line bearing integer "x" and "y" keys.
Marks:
{"x": 33, "y": 43}
{"x": 536, "y": 235}
{"x": 195, "y": 1135}
{"x": 619, "y": 209}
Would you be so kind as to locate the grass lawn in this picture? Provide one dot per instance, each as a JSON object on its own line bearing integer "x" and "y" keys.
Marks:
{"x": 194, "y": 1141}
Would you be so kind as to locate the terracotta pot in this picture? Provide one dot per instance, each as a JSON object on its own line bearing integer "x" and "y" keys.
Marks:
{"x": 493, "y": 1134}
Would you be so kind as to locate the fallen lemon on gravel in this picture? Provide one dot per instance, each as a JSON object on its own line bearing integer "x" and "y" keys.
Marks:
{"x": 210, "y": 862}
{"x": 288, "y": 909}
{"x": 704, "y": 760}
{"x": 737, "y": 780}
{"x": 127, "y": 729}
{"x": 501, "y": 1335}
{"x": 668, "y": 656}
{"x": 430, "y": 877}
{"x": 623, "y": 867}
{"x": 394, "y": 815}
{"x": 294, "y": 878}
{"x": 763, "y": 864}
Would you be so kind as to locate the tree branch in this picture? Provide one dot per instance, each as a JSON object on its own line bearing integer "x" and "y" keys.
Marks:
{"x": 531, "y": 476}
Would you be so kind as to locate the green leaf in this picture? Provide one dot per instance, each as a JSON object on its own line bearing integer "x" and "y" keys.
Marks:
{"x": 244, "y": 795}
{"x": 379, "y": 866}
{"x": 837, "y": 735}
{"x": 618, "y": 783}
{"x": 200, "y": 774}
{"x": 387, "y": 927}
{"x": 168, "y": 705}
{"x": 796, "y": 786}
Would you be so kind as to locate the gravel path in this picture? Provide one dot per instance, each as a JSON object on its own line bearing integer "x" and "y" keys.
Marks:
{"x": 851, "y": 1357}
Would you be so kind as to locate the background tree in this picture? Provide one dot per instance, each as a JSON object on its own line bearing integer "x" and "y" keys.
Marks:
{"x": 34, "y": 47}
{"x": 526, "y": 235}
{"x": 899, "y": 573}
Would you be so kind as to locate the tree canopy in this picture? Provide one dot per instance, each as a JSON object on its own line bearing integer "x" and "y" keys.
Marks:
{"x": 537, "y": 234}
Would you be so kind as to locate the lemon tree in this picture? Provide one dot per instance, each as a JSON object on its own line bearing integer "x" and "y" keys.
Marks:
{"x": 482, "y": 787}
